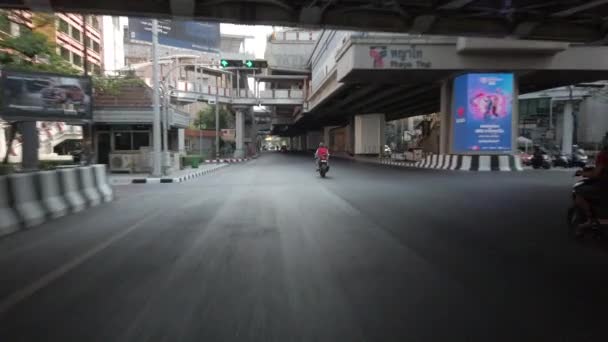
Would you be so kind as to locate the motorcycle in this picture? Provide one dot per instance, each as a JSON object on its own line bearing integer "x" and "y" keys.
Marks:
{"x": 560, "y": 160}
{"x": 539, "y": 160}
{"x": 576, "y": 216}
{"x": 579, "y": 157}
{"x": 323, "y": 166}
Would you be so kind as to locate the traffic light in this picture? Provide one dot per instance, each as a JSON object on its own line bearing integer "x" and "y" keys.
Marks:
{"x": 231, "y": 63}
{"x": 247, "y": 64}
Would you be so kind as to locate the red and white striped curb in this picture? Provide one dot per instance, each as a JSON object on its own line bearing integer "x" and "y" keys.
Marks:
{"x": 230, "y": 161}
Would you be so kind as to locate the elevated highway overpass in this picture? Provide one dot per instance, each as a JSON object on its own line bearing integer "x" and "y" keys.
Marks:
{"x": 564, "y": 20}
{"x": 399, "y": 76}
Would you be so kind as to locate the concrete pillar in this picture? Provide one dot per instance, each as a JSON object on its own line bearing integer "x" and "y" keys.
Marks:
{"x": 239, "y": 132}
{"x": 30, "y": 145}
{"x": 445, "y": 117}
{"x": 369, "y": 133}
{"x": 567, "y": 128}
{"x": 515, "y": 115}
{"x": 3, "y": 143}
{"x": 254, "y": 133}
{"x": 181, "y": 141}
{"x": 313, "y": 139}
{"x": 326, "y": 138}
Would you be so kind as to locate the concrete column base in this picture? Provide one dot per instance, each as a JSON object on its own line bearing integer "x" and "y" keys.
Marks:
{"x": 239, "y": 153}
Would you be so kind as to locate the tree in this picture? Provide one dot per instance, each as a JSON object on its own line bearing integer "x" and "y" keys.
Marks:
{"x": 205, "y": 119}
{"x": 26, "y": 51}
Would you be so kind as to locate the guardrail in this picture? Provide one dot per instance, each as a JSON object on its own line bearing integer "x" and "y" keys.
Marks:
{"x": 228, "y": 95}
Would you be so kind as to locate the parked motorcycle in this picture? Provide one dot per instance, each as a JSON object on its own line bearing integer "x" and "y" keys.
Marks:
{"x": 579, "y": 157}
{"x": 576, "y": 216}
{"x": 559, "y": 159}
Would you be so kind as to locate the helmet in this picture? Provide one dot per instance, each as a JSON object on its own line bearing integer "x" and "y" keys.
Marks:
{"x": 321, "y": 144}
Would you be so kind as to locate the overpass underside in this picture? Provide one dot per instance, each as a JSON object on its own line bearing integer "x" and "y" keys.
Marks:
{"x": 572, "y": 20}
{"x": 406, "y": 79}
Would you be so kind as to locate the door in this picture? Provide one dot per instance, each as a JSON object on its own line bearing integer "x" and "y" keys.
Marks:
{"x": 103, "y": 148}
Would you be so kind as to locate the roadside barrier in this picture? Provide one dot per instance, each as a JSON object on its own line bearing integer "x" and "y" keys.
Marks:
{"x": 87, "y": 186}
{"x": 471, "y": 162}
{"x": 9, "y": 221}
{"x": 30, "y": 199}
{"x": 25, "y": 199}
{"x": 50, "y": 192}
{"x": 71, "y": 191}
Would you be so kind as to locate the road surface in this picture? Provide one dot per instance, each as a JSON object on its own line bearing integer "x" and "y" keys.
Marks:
{"x": 268, "y": 251}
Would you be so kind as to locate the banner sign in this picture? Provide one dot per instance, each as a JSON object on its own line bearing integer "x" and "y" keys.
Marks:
{"x": 191, "y": 35}
{"x": 45, "y": 97}
{"x": 482, "y": 113}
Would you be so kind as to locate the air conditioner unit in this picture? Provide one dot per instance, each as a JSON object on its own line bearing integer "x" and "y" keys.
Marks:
{"x": 121, "y": 162}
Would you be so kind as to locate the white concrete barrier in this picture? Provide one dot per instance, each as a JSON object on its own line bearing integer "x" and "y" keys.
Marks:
{"x": 504, "y": 163}
{"x": 485, "y": 163}
{"x": 87, "y": 186}
{"x": 454, "y": 165}
{"x": 101, "y": 181}
{"x": 9, "y": 221}
{"x": 466, "y": 163}
{"x": 518, "y": 166}
{"x": 70, "y": 189}
{"x": 50, "y": 194}
{"x": 25, "y": 199}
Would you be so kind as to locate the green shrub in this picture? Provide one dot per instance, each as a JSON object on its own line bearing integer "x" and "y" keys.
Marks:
{"x": 6, "y": 169}
{"x": 52, "y": 164}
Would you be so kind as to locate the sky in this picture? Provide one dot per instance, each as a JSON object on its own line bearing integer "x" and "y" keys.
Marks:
{"x": 257, "y": 45}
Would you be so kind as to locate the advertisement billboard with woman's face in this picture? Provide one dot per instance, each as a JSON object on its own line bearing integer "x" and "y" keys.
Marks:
{"x": 482, "y": 113}
{"x": 42, "y": 96}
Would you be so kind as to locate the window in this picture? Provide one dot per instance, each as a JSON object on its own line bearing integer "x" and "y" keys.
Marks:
{"x": 63, "y": 26}
{"x": 76, "y": 59}
{"x": 96, "y": 69}
{"x": 87, "y": 42}
{"x": 96, "y": 47}
{"x": 76, "y": 34}
{"x": 65, "y": 53}
{"x": 122, "y": 141}
{"x": 141, "y": 139}
{"x": 95, "y": 22}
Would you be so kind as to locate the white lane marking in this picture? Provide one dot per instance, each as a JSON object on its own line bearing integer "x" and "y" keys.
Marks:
{"x": 16, "y": 297}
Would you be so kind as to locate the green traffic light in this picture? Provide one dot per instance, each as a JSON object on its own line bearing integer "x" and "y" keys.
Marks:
{"x": 224, "y": 63}
{"x": 249, "y": 64}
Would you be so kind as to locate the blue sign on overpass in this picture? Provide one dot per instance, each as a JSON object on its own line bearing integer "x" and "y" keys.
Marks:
{"x": 200, "y": 36}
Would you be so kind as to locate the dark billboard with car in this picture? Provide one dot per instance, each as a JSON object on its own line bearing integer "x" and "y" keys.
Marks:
{"x": 44, "y": 96}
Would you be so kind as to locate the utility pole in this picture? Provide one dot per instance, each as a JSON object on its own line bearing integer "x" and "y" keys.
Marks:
{"x": 88, "y": 137}
{"x": 217, "y": 123}
{"x": 156, "y": 166}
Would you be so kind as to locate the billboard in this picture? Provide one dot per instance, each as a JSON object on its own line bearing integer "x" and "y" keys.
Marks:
{"x": 482, "y": 109}
{"x": 43, "y": 96}
{"x": 190, "y": 35}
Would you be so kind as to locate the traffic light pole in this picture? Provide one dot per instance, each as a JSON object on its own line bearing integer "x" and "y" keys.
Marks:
{"x": 217, "y": 126}
{"x": 156, "y": 166}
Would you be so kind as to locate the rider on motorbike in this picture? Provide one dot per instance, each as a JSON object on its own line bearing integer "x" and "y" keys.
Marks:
{"x": 321, "y": 153}
{"x": 595, "y": 189}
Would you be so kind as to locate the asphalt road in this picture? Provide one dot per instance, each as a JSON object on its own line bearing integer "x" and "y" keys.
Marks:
{"x": 268, "y": 251}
